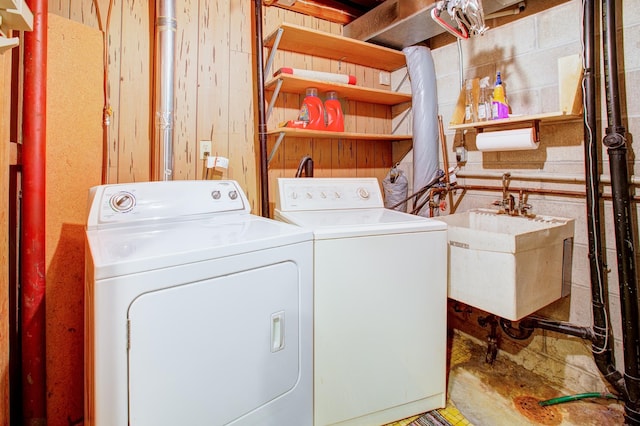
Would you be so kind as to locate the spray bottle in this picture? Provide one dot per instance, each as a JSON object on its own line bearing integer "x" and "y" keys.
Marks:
{"x": 499, "y": 106}
{"x": 469, "y": 105}
{"x": 484, "y": 100}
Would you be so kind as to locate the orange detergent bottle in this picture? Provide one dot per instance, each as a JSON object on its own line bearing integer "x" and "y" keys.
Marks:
{"x": 335, "y": 117}
{"x": 311, "y": 114}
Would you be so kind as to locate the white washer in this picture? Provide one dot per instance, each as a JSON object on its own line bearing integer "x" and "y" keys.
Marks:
{"x": 380, "y": 289}
{"x": 197, "y": 312}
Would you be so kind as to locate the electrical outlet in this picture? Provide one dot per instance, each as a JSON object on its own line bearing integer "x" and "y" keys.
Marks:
{"x": 385, "y": 78}
{"x": 205, "y": 146}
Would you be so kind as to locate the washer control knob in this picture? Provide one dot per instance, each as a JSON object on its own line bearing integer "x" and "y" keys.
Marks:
{"x": 363, "y": 193}
{"x": 122, "y": 202}
{"x": 309, "y": 195}
{"x": 233, "y": 194}
{"x": 294, "y": 195}
{"x": 216, "y": 194}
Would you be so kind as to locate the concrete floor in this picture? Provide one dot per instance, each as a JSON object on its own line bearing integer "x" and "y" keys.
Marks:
{"x": 507, "y": 394}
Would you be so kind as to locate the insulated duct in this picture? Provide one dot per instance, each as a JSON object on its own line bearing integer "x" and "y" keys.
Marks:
{"x": 425, "y": 116}
{"x": 166, "y": 26}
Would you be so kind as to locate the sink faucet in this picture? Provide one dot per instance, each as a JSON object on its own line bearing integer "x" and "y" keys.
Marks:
{"x": 507, "y": 204}
{"x": 306, "y": 164}
{"x": 522, "y": 208}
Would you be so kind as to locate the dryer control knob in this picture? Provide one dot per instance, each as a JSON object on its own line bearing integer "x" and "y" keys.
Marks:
{"x": 216, "y": 194}
{"x": 233, "y": 194}
{"x": 122, "y": 202}
{"x": 363, "y": 193}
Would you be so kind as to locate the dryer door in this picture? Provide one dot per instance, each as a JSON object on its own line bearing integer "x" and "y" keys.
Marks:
{"x": 210, "y": 352}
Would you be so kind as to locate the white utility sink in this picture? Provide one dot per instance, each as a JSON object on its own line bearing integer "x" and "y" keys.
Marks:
{"x": 509, "y": 266}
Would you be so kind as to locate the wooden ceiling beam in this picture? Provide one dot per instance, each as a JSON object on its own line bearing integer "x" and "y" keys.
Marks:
{"x": 328, "y": 10}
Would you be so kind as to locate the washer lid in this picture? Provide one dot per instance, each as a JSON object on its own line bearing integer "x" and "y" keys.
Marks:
{"x": 359, "y": 222}
{"x": 132, "y": 249}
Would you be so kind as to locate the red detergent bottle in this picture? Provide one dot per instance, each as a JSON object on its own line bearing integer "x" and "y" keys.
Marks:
{"x": 311, "y": 114}
{"x": 335, "y": 117}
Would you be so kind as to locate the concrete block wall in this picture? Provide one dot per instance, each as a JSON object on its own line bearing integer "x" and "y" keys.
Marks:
{"x": 526, "y": 52}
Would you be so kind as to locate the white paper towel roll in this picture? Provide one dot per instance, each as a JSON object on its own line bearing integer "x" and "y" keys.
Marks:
{"x": 507, "y": 140}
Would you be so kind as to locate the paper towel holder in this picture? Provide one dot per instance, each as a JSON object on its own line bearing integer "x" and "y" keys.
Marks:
{"x": 535, "y": 126}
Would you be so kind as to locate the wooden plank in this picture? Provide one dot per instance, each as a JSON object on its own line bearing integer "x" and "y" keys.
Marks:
{"x": 185, "y": 143}
{"x": 570, "y": 73}
{"x": 518, "y": 120}
{"x": 5, "y": 115}
{"x": 134, "y": 137}
{"x": 338, "y": 13}
{"x": 320, "y": 43}
{"x": 302, "y": 133}
{"x": 114, "y": 61}
{"x": 214, "y": 71}
{"x": 74, "y": 160}
{"x": 294, "y": 84}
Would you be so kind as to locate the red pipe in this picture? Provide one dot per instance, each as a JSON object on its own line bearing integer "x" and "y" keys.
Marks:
{"x": 34, "y": 404}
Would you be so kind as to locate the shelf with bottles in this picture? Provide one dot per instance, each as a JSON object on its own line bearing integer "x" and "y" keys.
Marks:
{"x": 293, "y": 84}
{"x": 570, "y": 96}
{"x": 324, "y": 134}
{"x": 298, "y": 39}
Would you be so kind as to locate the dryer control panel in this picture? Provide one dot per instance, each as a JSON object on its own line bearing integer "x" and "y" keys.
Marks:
{"x": 297, "y": 194}
{"x": 133, "y": 203}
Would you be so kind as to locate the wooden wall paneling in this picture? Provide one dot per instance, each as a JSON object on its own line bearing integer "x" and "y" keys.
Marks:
{"x": 242, "y": 154}
{"x": 114, "y": 60}
{"x": 214, "y": 71}
{"x": 136, "y": 114}
{"x": 241, "y": 151}
{"x": 5, "y": 120}
{"x": 185, "y": 143}
{"x": 74, "y": 162}
{"x": 60, "y": 7}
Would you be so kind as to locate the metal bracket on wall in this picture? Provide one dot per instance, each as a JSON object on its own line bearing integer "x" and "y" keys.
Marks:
{"x": 275, "y": 147}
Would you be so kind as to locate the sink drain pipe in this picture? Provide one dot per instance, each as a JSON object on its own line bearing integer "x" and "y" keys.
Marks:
{"x": 600, "y": 335}
{"x": 602, "y": 341}
{"x": 616, "y": 144}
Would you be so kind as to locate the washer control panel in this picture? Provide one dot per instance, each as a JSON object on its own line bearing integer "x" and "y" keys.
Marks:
{"x": 296, "y": 194}
{"x": 135, "y": 202}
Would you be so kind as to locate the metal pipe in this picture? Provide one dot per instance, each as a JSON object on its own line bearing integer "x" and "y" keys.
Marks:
{"x": 166, "y": 26}
{"x": 262, "y": 117}
{"x": 539, "y": 191}
{"x": 33, "y": 262}
{"x": 547, "y": 177}
{"x": 602, "y": 341}
{"x": 616, "y": 143}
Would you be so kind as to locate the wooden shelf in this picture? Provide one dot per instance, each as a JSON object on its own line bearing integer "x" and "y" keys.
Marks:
{"x": 303, "y": 133}
{"x": 295, "y": 84}
{"x": 318, "y": 43}
{"x": 518, "y": 121}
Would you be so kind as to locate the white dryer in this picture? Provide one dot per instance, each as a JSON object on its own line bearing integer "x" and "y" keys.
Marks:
{"x": 380, "y": 289}
{"x": 197, "y": 312}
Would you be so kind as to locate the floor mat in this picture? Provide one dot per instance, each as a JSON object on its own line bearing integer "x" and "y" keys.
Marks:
{"x": 432, "y": 418}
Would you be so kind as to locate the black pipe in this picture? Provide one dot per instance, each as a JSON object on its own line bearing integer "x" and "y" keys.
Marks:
{"x": 262, "y": 115}
{"x": 615, "y": 141}
{"x": 602, "y": 339}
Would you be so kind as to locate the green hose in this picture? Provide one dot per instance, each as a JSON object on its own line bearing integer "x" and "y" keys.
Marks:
{"x": 577, "y": 397}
